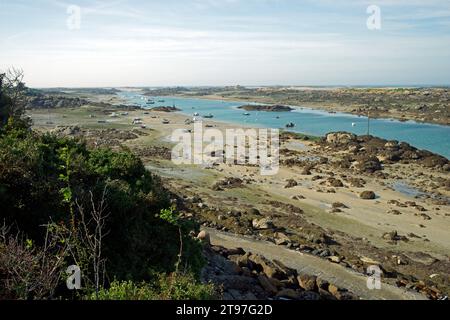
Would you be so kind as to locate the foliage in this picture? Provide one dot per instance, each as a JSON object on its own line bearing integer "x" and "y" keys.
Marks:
{"x": 28, "y": 271}
{"x": 48, "y": 190}
{"x": 41, "y": 176}
{"x": 166, "y": 287}
{"x": 12, "y": 95}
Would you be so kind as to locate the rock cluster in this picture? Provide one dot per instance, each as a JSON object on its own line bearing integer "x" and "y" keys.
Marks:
{"x": 268, "y": 108}
{"x": 368, "y": 153}
{"x": 247, "y": 276}
{"x": 165, "y": 109}
{"x": 230, "y": 182}
{"x": 54, "y": 101}
{"x": 367, "y": 195}
{"x": 154, "y": 152}
{"x": 92, "y": 134}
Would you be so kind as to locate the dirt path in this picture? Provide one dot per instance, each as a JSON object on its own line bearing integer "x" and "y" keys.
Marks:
{"x": 334, "y": 273}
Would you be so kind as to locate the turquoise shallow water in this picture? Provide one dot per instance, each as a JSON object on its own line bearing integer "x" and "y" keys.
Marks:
{"x": 435, "y": 138}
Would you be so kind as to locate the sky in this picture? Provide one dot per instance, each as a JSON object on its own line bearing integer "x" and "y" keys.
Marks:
{"x": 226, "y": 42}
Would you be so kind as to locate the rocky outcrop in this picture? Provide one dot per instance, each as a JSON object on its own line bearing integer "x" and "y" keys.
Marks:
{"x": 394, "y": 236}
{"x": 227, "y": 183}
{"x": 266, "y": 108}
{"x": 54, "y": 101}
{"x": 367, "y": 195}
{"x": 290, "y": 184}
{"x": 165, "y": 109}
{"x": 340, "y": 138}
{"x": 262, "y": 224}
{"x": 244, "y": 276}
{"x": 367, "y": 153}
{"x": 97, "y": 138}
{"x": 369, "y": 164}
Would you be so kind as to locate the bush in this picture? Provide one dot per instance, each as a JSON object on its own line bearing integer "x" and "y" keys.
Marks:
{"x": 167, "y": 287}
{"x": 41, "y": 176}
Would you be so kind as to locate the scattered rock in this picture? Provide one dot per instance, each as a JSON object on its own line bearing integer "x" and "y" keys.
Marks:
{"x": 368, "y": 165}
{"x": 424, "y": 216}
{"x": 336, "y": 183}
{"x": 262, "y": 264}
{"x": 262, "y": 224}
{"x": 340, "y": 138}
{"x": 394, "y": 236}
{"x": 339, "y": 205}
{"x": 290, "y": 183}
{"x": 307, "y": 282}
{"x": 231, "y": 182}
{"x": 266, "y": 284}
{"x": 307, "y": 170}
{"x": 367, "y": 195}
{"x": 254, "y": 211}
{"x": 203, "y": 236}
{"x": 281, "y": 239}
{"x": 334, "y": 259}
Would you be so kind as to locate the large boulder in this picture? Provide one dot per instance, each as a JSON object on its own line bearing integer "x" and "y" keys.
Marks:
{"x": 266, "y": 284}
{"x": 262, "y": 224}
{"x": 281, "y": 239}
{"x": 368, "y": 165}
{"x": 340, "y": 138}
{"x": 203, "y": 236}
{"x": 261, "y": 264}
{"x": 290, "y": 184}
{"x": 307, "y": 282}
{"x": 367, "y": 195}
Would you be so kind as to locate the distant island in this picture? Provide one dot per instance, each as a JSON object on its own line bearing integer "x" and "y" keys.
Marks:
{"x": 165, "y": 109}
{"x": 266, "y": 108}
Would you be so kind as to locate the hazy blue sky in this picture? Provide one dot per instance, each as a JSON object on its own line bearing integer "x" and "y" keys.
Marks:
{"x": 226, "y": 42}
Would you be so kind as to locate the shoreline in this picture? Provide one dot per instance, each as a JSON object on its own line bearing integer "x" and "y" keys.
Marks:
{"x": 300, "y": 109}
{"x": 318, "y": 107}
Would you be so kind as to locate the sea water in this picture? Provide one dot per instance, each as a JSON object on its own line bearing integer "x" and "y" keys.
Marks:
{"x": 432, "y": 137}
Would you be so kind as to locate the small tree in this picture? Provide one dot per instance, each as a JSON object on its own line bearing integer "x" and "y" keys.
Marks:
{"x": 93, "y": 232}
{"x": 12, "y": 95}
{"x": 29, "y": 271}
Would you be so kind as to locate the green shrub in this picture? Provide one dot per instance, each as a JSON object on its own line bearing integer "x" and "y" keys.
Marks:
{"x": 35, "y": 177}
{"x": 166, "y": 287}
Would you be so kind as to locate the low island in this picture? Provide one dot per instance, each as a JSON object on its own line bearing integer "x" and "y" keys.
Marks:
{"x": 266, "y": 108}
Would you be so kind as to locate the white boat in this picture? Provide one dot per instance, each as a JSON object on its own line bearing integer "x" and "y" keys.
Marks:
{"x": 209, "y": 116}
{"x": 246, "y": 114}
{"x": 196, "y": 114}
{"x": 353, "y": 124}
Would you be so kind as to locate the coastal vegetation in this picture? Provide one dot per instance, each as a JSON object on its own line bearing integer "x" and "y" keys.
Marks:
{"x": 65, "y": 204}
